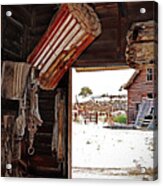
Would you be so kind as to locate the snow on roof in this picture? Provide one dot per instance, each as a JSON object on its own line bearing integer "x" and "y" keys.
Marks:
{"x": 81, "y": 99}
{"x": 100, "y": 98}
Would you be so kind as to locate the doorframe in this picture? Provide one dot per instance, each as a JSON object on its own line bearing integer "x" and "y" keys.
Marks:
{"x": 83, "y": 69}
{"x": 70, "y": 124}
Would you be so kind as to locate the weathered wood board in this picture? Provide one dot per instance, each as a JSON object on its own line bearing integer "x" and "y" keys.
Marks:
{"x": 142, "y": 43}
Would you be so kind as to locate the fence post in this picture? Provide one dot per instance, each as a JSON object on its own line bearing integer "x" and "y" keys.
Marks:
{"x": 96, "y": 118}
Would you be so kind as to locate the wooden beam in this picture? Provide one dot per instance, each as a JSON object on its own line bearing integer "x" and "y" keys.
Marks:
{"x": 106, "y": 13}
{"x": 43, "y": 21}
{"x": 102, "y": 46}
{"x": 11, "y": 53}
{"x": 98, "y": 55}
{"x": 119, "y": 28}
{"x": 38, "y": 30}
{"x": 12, "y": 44}
{"x": 15, "y": 23}
{"x": 107, "y": 34}
{"x": 112, "y": 13}
{"x": 19, "y": 13}
{"x": 122, "y": 9}
{"x": 11, "y": 33}
{"x": 92, "y": 69}
{"x": 36, "y": 37}
{"x": 108, "y": 22}
{"x": 21, "y": 9}
{"x": 45, "y": 8}
{"x": 99, "y": 63}
{"x": 44, "y": 16}
{"x": 70, "y": 125}
{"x": 101, "y": 6}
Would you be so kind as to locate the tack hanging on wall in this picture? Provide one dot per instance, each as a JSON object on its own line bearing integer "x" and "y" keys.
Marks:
{"x": 72, "y": 31}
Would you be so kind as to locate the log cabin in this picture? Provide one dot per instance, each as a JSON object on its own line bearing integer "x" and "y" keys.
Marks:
{"x": 140, "y": 85}
{"x": 21, "y": 32}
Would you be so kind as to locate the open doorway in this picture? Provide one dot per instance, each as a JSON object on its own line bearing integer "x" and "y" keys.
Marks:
{"x": 104, "y": 143}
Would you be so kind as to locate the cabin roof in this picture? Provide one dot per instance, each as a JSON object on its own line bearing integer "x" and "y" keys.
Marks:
{"x": 131, "y": 80}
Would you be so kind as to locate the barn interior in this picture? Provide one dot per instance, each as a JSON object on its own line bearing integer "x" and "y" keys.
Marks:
{"x": 20, "y": 34}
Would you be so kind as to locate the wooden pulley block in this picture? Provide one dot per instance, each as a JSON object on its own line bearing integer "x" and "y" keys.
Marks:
{"x": 69, "y": 34}
{"x": 141, "y": 43}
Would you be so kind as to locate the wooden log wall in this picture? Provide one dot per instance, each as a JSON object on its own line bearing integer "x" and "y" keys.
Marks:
{"x": 14, "y": 32}
{"x": 24, "y": 29}
{"x": 142, "y": 43}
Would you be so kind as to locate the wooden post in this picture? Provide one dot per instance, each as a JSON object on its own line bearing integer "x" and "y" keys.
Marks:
{"x": 60, "y": 129}
{"x": 8, "y": 137}
{"x": 54, "y": 144}
{"x": 70, "y": 125}
{"x": 90, "y": 117}
{"x": 96, "y": 118}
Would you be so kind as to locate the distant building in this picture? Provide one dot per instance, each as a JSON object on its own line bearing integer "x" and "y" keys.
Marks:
{"x": 96, "y": 107}
{"x": 140, "y": 85}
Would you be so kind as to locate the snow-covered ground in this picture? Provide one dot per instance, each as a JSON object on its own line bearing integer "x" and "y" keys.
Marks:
{"x": 99, "y": 152}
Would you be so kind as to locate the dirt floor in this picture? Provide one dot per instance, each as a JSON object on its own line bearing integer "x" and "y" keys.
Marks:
{"x": 99, "y": 152}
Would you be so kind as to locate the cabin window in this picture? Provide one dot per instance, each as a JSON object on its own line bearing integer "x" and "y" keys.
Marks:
{"x": 149, "y": 74}
{"x": 150, "y": 95}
